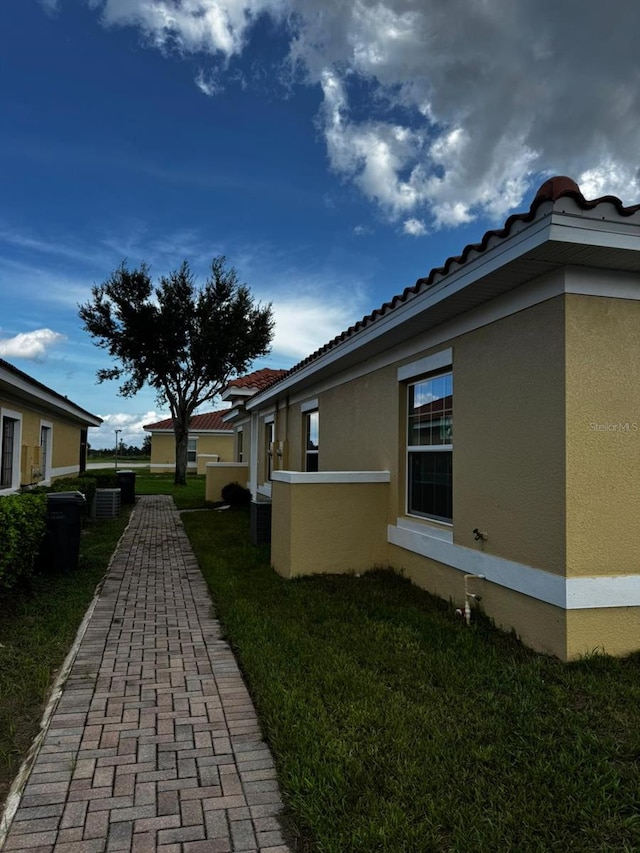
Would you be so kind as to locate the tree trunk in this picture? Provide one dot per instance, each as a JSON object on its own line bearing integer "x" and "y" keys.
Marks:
{"x": 181, "y": 432}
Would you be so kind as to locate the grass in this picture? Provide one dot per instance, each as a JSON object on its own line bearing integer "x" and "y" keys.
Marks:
{"x": 37, "y": 628}
{"x": 396, "y": 728}
{"x": 190, "y": 496}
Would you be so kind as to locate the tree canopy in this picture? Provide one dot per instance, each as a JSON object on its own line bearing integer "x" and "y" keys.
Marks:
{"x": 184, "y": 341}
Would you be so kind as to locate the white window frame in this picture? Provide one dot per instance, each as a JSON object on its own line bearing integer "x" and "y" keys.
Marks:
{"x": 437, "y": 364}
{"x": 240, "y": 446}
{"x": 307, "y": 453}
{"x": 192, "y": 463}
{"x": 17, "y": 449}
{"x": 269, "y": 427}
{"x": 46, "y": 458}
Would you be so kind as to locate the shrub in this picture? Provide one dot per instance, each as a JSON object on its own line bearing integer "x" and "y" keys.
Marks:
{"x": 236, "y": 495}
{"x": 103, "y": 479}
{"x": 85, "y": 484}
{"x": 22, "y": 526}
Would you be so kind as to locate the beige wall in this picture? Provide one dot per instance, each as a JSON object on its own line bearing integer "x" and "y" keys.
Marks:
{"x": 509, "y": 439}
{"x": 328, "y": 528}
{"x": 163, "y": 451}
{"x": 603, "y": 435}
{"x": 219, "y": 474}
{"x": 612, "y": 630}
{"x": 65, "y": 442}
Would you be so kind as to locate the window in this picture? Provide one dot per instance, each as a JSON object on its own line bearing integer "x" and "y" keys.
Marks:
{"x": 429, "y": 445}
{"x": 312, "y": 424}
{"x": 192, "y": 449}
{"x": 240, "y": 450}
{"x": 45, "y": 452}
{"x": 7, "y": 451}
{"x": 269, "y": 436}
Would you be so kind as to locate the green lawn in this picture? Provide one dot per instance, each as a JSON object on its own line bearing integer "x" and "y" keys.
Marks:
{"x": 397, "y": 728}
{"x": 36, "y": 632}
{"x": 190, "y": 496}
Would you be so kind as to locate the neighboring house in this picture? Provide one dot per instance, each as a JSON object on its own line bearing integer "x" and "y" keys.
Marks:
{"x": 43, "y": 435}
{"x": 480, "y": 432}
{"x": 210, "y": 440}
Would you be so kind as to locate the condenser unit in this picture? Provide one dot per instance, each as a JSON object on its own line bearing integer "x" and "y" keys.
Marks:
{"x": 106, "y": 503}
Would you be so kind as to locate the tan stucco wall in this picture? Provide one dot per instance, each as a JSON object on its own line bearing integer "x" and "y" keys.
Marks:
{"x": 66, "y": 445}
{"x": 509, "y": 445}
{"x": 613, "y": 630}
{"x": 65, "y": 438}
{"x": 163, "y": 451}
{"x": 328, "y": 528}
{"x": 603, "y": 436}
{"x": 221, "y": 473}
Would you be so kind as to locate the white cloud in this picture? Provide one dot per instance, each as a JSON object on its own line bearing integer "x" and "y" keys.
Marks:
{"x": 442, "y": 111}
{"x": 130, "y": 424}
{"x": 208, "y": 83}
{"x": 414, "y": 227}
{"x": 306, "y": 323}
{"x": 191, "y": 26}
{"x": 30, "y": 344}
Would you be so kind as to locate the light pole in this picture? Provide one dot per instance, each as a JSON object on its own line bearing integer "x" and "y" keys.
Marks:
{"x": 117, "y": 432}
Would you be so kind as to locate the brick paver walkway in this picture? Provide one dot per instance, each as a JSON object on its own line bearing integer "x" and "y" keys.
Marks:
{"x": 154, "y": 745}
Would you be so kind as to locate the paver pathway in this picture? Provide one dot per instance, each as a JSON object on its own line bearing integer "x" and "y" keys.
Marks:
{"x": 154, "y": 745}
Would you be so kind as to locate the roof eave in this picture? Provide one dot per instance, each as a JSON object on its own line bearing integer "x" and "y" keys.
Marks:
{"x": 560, "y": 225}
{"x": 36, "y": 394}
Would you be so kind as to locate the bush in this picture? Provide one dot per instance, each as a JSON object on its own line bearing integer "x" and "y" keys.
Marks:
{"x": 236, "y": 495}
{"x": 22, "y": 526}
{"x": 85, "y": 484}
{"x": 103, "y": 479}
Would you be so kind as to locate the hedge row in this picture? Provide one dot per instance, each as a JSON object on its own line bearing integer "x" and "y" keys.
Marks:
{"x": 23, "y": 522}
{"x": 22, "y": 526}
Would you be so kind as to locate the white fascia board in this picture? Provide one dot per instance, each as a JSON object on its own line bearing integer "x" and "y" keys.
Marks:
{"x": 37, "y": 395}
{"x": 234, "y": 391}
{"x": 588, "y": 231}
{"x": 330, "y": 477}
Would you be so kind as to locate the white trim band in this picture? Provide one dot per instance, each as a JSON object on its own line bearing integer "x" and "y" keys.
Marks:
{"x": 577, "y": 593}
{"x": 428, "y": 364}
{"x": 329, "y": 477}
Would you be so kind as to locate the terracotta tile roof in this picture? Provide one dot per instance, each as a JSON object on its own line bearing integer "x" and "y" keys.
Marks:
{"x": 551, "y": 190}
{"x": 207, "y": 421}
{"x": 259, "y": 379}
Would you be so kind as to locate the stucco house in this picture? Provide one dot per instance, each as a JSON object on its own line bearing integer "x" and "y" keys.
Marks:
{"x": 237, "y": 393}
{"x": 479, "y": 432}
{"x": 43, "y": 435}
{"x": 210, "y": 439}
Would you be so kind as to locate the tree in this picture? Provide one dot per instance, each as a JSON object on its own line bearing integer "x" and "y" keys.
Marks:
{"x": 183, "y": 341}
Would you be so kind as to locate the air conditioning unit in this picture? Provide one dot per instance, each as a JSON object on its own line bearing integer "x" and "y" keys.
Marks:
{"x": 260, "y": 523}
{"x": 106, "y": 503}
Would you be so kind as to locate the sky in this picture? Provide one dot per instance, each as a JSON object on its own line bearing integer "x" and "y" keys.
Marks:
{"x": 333, "y": 151}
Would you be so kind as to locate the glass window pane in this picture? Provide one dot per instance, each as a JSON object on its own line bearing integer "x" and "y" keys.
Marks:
{"x": 312, "y": 430}
{"x": 430, "y": 484}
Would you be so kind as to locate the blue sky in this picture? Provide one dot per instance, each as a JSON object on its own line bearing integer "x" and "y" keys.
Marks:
{"x": 333, "y": 152}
